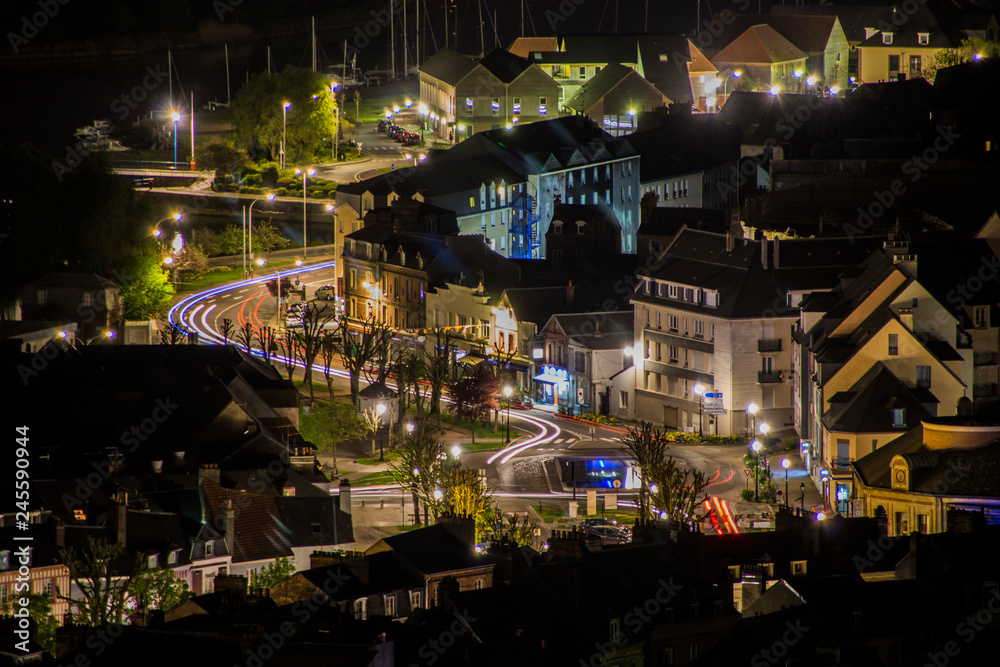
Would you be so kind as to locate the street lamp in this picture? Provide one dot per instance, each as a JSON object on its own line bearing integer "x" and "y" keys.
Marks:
{"x": 176, "y": 217}
{"x": 775, "y": 90}
{"x": 756, "y": 447}
{"x": 784, "y": 464}
{"x": 507, "y": 391}
{"x": 176, "y": 117}
{"x": 305, "y": 173}
{"x": 456, "y": 451}
{"x": 631, "y": 114}
{"x": 248, "y": 213}
{"x": 700, "y": 389}
{"x": 260, "y": 263}
{"x": 802, "y": 496}
{"x": 284, "y": 129}
{"x": 380, "y": 410}
{"x": 764, "y": 428}
{"x": 752, "y": 412}
{"x": 169, "y": 261}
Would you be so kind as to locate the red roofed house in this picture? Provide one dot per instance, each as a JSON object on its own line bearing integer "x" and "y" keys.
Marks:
{"x": 765, "y": 58}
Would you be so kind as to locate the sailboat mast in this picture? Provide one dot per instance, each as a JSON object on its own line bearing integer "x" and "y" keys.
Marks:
{"x": 416, "y": 55}
{"x": 314, "y": 42}
{"x": 482, "y": 40}
{"x": 405, "y": 63}
{"x": 229, "y": 96}
{"x": 170, "y": 77}
{"x": 392, "y": 43}
{"x": 269, "y": 61}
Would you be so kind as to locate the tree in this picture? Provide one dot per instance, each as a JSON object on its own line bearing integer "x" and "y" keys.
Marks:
{"x": 39, "y": 611}
{"x": 327, "y": 352}
{"x": 160, "y": 589}
{"x": 466, "y": 494}
{"x": 970, "y": 50}
{"x": 226, "y": 330}
{"x": 146, "y": 288}
{"x": 266, "y": 336}
{"x": 518, "y": 529}
{"x": 272, "y": 573}
{"x": 329, "y": 425}
{"x": 259, "y": 118}
{"x": 229, "y": 241}
{"x": 475, "y": 394}
{"x": 223, "y": 157}
{"x": 244, "y": 336}
{"x": 191, "y": 263}
{"x": 267, "y": 237}
{"x": 288, "y": 342}
{"x": 437, "y": 366}
{"x": 648, "y": 446}
{"x": 103, "y": 579}
{"x": 286, "y": 287}
{"x": 361, "y": 345}
{"x": 312, "y": 337}
{"x": 417, "y": 465}
{"x": 674, "y": 492}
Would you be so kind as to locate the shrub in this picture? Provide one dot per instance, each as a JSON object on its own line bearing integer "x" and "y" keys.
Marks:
{"x": 269, "y": 173}
{"x": 746, "y": 495}
{"x": 253, "y": 180}
{"x": 285, "y": 182}
{"x": 281, "y": 192}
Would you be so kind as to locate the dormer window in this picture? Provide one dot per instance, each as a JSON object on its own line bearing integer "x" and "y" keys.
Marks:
{"x": 923, "y": 38}
{"x": 899, "y": 417}
{"x": 886, "y": 38}
{"x": 172, "y": 557}
{"x": 557, "y": 227}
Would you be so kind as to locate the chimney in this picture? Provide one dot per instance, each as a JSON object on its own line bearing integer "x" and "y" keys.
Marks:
{"x": 60, "y": 534}
{"x": 462, "y": 527}
{"x": 157, "y": 466}
{"x": 763, "y": 251}
{"x": 730, "y": 241}
{"x": 120, "y": 504}
{"x": 777, "y": 263}
{"x": 570, "y": 294}
{"x": 345, "y": 495}
{"x": 209, "y": 471}
{"x": 228, "y": 522}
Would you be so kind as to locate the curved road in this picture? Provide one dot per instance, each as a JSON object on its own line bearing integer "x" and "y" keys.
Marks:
{"x": 542, "y": 434}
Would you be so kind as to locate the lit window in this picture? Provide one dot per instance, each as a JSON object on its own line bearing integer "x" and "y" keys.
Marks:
{"x": 893, "y": 345}
{"x": 886, "y": 38}
{"x": 542, "y": 108}
{"x": 899, "y": 417}
{"x": 923, "y": 38}
{"x": 496, "y": 106}
{"x": 469, "y": 105}
{"x": 517, "y": 105}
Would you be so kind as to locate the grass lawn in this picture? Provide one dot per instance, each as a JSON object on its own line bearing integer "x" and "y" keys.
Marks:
{"x": 376, "y": 99}
{"x": 215, "y": 278}
{"x": 549, "y": 513}
{"x": 482, "y": 430}
{"x": 369, "y": 461}
{"x": 374, "y": 478}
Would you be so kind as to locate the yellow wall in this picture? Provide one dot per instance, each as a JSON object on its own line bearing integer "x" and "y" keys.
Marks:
{"x": 873, "y": 61}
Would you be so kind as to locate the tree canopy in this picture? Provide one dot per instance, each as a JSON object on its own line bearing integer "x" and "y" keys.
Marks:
{"x": 260, "y": 120}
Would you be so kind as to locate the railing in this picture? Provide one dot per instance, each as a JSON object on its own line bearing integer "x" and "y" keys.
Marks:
{"x": 984, "y": 359}
{"x": 769, "y": 377}
{"x": 769, "y": 345}
{"x": 840, "y": 463}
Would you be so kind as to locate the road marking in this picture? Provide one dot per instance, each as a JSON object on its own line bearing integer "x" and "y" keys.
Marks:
{"x": 610, "y": 440}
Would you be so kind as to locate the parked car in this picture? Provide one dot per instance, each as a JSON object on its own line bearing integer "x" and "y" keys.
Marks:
{"x": 326, "y": 292}
{"x": 609, "y": 534}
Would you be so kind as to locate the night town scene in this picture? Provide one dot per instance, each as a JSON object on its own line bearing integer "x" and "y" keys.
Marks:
{"x": 489, "y": 333}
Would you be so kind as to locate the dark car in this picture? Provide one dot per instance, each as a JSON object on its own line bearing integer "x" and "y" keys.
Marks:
{"x": 609, "y": 534}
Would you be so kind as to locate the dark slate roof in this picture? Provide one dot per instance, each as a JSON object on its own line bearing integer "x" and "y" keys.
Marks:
{"x": 433, "y": 549}
{"x": 504, "y": 65}
{"x": 867, "y": 406}
{"x": 603, "y": 83}
{"x": 933, "y": 470}
{"x": 448, "y": 66}
{"x": 385, "y": 571}
{"x": 597, "y": 331}
{"x": 746, "y": 289}
{"x": 537, "y": 304}
{"x": 587, "y": 213}
{"x": 685, "y": 143}
{"x": 314, "y": 521}
{"x": 933, "y": 17}
{"x": 759, "y": 44}
{"x": 468, "y": 256}
{"x": 260, "y": 534}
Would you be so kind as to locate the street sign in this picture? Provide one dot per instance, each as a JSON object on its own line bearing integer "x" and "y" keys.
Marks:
{"x": 746, "y": 471}
{"x": 617, "y": 483}
{"x": 713, "y": 394}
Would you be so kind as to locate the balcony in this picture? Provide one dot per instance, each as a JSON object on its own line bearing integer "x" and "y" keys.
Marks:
{"x": 984, "y": 390}
{"x": 770, "y": 377}
{"x": 769, "y": 345}
{"x": 840, "y": 463}
{"x": 984, "y": 359}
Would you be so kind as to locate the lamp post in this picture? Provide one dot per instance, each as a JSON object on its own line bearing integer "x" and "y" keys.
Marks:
{"x": 756, "y": 446}
{"x": 248, "y": 214}
{"x": 507, "y": 391}
{"x": 176, "y": 217}
{"x": 699, "y": 389}
{"x": 802, "y": 496}
{"x": 784, "y": 464}
{"x": 752, "y": 413}
{"x": 764, "y": 428}
{"x": 422, "y": 111}
{"x": 305, "y": 173}
{"x": 260, "y": 263}
{"x": 380, "y": 410}
{"x": 169, "y": 261}
{"x": 631, "y": 115}
{"x": 284, "y": 129}
{"x": 176, "y": 118}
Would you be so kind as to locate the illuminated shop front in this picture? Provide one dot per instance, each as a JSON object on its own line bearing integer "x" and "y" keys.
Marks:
{"x": 552, "y": 386}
